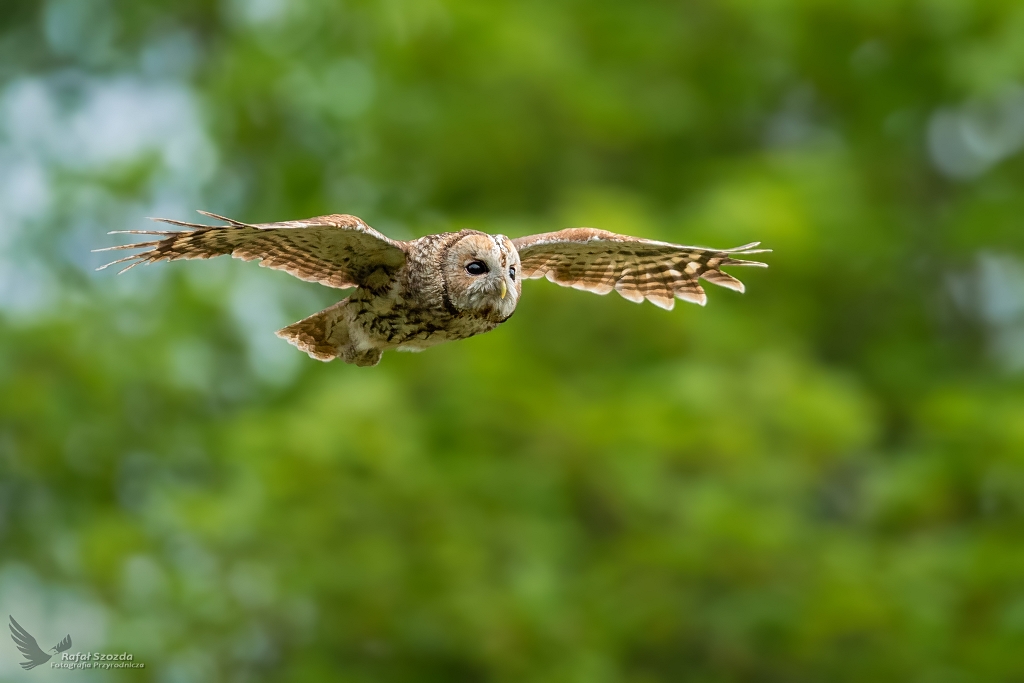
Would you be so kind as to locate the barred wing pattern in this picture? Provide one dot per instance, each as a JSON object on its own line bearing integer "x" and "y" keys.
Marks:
{"x": 599, "y": 261}
{"x": 337, "y": 251}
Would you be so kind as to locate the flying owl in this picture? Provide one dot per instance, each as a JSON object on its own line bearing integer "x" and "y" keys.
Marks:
{"x": 416, "y": 294}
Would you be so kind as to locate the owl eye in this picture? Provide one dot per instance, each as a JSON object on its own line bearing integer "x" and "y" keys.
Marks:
{"x": 476, "y": 268}
{"x": 512, "y": 273}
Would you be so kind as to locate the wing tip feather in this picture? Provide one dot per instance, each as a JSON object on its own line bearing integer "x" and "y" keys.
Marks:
{"x": 721, "y": 279}
{"x": 225, "y": 219}
{"x": 121, "y": 260}
{"x": 693, "y": 295}
{"x": 743, "y": 262}
{"x": 664, "y": 303}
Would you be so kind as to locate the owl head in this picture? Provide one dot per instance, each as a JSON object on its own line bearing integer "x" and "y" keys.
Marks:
{"x": 482, "y": 274}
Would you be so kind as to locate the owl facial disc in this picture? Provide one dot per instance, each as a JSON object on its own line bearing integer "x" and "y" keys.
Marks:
{"x": 481, "y": 273}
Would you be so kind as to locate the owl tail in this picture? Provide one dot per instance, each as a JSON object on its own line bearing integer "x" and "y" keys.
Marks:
{"x": 323, "y": 335}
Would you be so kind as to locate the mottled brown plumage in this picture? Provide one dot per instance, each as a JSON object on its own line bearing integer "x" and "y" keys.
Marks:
{"x": 416, "y": 294}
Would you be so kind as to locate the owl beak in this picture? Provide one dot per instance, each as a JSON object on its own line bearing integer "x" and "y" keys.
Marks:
{"x": 504, "y": 289}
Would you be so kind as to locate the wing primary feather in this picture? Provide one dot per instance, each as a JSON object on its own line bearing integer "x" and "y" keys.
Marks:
{"x": 744, "y": 247}
{"x": 740, "y": 262}
{"x": 692, "y": 292}
{"x": 337, "y": 250}
{"x": 627, "y": 286}
{"x": 144, "y": 232}
{"x": 121, "y": 260}
{"x": 232, "y": 221}
{"x": 185, "y": 224}
{"x": 665, "y": 302}
{"x": 723, "y": 280}
{"x": 125, "y": 270}
{"x": 135, "y": 245}
{"x": 596, "y": 260}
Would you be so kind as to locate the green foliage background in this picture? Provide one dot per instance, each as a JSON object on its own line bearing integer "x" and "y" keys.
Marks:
{"x": 821, "y": 480}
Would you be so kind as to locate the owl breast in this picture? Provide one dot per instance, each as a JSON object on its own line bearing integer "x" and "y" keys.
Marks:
{"x": 410, "y": 316}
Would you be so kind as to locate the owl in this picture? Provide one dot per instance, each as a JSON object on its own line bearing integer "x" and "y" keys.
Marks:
{"x": 416, "y": 294}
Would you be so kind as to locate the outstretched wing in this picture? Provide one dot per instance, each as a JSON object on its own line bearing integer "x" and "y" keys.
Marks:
{"x": 64, "y": 644}
{"x": 337, "y": 251}
{"x": 599, "y": 261}
{"x": 28, "y": 646}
